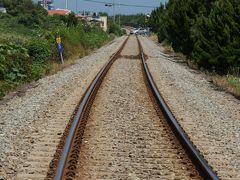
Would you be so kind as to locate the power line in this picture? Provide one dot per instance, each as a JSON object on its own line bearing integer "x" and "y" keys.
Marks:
{"x": 119, "y": 4}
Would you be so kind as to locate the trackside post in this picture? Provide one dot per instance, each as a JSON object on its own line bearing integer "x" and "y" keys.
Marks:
{"x": 60, "y": 48}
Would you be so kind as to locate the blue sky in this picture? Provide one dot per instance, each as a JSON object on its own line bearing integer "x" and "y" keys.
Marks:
{"x": 90, "y": 6}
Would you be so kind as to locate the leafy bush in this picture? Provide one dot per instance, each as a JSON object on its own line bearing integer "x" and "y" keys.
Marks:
{"x": 17, "y": 7}
{"x": 28, "y": 41}
{"x": 74, "y": 39}
{"x": 133, "y": 20}
{"x": 38, "y": 70}
{"x": 4, "y": 16}
{"x": 14, "y": 62}
{"x": 28, "y": 20}
{"x": 39, "y": 51}
{"x": 115, "y": 29}
{"x": 95, "y": 38}
{"x": 72, "y": 20}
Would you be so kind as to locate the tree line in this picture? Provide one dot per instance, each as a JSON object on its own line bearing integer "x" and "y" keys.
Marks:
{"x": 207, "y": 31}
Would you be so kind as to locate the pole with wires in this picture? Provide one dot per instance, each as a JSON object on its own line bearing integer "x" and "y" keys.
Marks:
{"x": 113, "y": 11}
{"x": 119, "y": 17}
{"x": 76, "y": 6}
{"x": 66, "y": 5}
{"x": 121, "y": 4}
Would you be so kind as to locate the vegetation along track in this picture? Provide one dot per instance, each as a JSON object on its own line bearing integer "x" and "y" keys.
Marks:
{"x": 145, "y": 147}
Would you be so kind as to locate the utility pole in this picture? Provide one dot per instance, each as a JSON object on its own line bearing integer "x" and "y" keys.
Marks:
{"x": 66, "y": 6}
{"x": 76, "y": 6}
{"x": 113, "y": 11}
{"x": 119, "y": 18}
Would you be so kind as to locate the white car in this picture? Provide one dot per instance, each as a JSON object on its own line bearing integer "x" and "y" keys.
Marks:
{"x": 134, "y": 31}
{"x": 141, "y": 31}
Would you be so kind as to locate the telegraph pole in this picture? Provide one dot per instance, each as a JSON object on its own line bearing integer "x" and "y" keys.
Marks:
{"x": 119, "y": 18}
{"x": 66, "y": 4}
{"x": 114, "y": 11}
{"x": 76, "y": 6}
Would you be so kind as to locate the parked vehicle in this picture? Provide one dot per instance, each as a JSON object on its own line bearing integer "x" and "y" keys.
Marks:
{"x": 133, "y": 31}
{"x": 141, "y": 31}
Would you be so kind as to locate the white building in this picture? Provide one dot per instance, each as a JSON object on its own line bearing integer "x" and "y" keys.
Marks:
{"x": 46, "y": 4}
{"x": 93, "y": 17}
{"x": 103, "y": 22}
{"x": 3, "y": 10}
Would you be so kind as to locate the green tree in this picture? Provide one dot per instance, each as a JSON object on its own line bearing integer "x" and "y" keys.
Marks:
{"x": 158, "y": 22}
{"x": 206, "y": 30}
{"x": 137, "y": 20}
{"x": 17, "y": 7}
{"x": 217, "y": 37}
{"x": 72, "y": 20}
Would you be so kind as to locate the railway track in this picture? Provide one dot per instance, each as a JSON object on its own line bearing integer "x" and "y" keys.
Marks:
{"x": 170, "y": 153}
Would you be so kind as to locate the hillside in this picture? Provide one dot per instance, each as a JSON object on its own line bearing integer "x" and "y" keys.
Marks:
{"x": 27, "y": 42}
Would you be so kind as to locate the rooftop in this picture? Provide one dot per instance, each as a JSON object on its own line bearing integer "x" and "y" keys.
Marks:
{"x": 59, "y": 11}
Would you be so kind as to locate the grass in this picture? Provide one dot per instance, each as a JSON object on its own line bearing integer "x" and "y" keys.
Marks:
{"x": 37, "y": 45}
{"x": 235, "y": 82}
{"x": 229, "y": 83}
{"x": 154, "y": 37}
{"x": 56, "y": 66}
{"x": 27, "y": 43}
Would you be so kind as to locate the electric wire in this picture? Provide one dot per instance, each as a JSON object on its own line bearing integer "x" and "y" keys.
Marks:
{"x": 120, "y": 4}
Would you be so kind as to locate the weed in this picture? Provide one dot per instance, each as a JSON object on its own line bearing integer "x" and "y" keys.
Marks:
{"x": 28, "y": 48}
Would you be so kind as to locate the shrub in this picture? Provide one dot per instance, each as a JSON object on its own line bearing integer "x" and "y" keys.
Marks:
{"x": 115, "y": 29}
{"x": 38, "y": 70}
{"x": 3, "y": 67}
{"x": 14, "y": 62}
{"x": 76, "y": 39}
{"x": 124, "y": 32}
{"x": 95, "y": 38}
{"x": 27, "y": 41}
{"x": 39, "y": 51}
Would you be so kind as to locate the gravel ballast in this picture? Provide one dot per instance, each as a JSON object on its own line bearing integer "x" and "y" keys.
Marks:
{"x": 30, "y": 114}
{"x": 210, "y": 117}
{"x": 124, "y": 137}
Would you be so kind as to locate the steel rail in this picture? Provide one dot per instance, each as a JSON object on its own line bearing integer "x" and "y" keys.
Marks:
{"x": 198, "y": 160}
{"x": 83, "y": 107}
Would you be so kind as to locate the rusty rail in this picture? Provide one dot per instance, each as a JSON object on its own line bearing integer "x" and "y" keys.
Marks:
{"x": 198, "y": 160}
{"x": 67, "y": 163}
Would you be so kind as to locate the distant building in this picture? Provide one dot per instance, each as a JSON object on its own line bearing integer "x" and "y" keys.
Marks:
{"x": 103, "y": 23}
{"x": 46, "y": 4}
{"x": 59, "y": 11}
{"x": 93, "y": 17}
{"x": 3, "y": 10}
